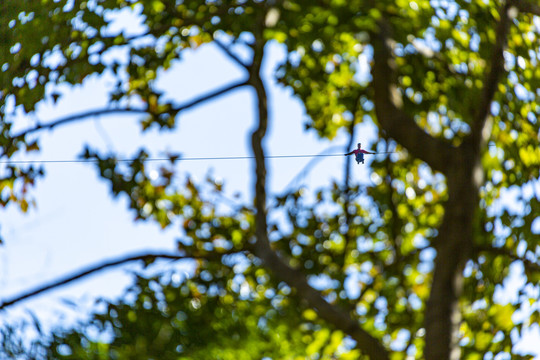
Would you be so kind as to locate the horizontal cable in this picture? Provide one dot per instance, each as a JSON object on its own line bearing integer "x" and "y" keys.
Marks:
{"x": 161, "y": 159}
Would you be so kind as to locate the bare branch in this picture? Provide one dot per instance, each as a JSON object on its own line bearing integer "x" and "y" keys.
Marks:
{"x": 330, "y": 313}
{"x": 347, "y": 172}
{"x": 226, "y": 49}
{"x": 350, "y": 242}
{"x": 388, "y": 107}
{"x": 211, "y": 95}
{"x": 88, "y": 271}
{"x": 77, "y": 117}
{"x": 109, "y": 111}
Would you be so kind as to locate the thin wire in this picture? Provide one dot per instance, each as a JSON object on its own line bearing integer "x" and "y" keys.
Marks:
{"x": 161, "y": 159}
{"x": 15, "y": 162}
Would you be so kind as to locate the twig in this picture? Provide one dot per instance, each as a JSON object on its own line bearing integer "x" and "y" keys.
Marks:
{"x": 347, "y": 172}
{"x": 350, "y": 242}
{"x": 309, "y": 166}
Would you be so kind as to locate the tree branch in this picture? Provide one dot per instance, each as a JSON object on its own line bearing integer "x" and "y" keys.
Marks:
{"x": 527, "y": 6}
{"x": 328, "y": 312}
{"x": 308, "y": 167}
{"x": 76, "y": 117}
{"x": 332, "y": 314}
{"x": 108, "y": 111}
{"x": 211, "y": 95}
{"x": 347, "y": 169}
{"x": 388, "y": 106}
{"x": 491, "y": 80}
{"x": 226, "y": 49}
{"x": 528, "y": 264}
{"x": 350, "y": 239}
{"x": 88, "y": 271}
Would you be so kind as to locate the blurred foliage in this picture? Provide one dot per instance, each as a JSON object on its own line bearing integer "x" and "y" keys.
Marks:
{"x": 368, "y": 248}
{"x": 202, "y": 319}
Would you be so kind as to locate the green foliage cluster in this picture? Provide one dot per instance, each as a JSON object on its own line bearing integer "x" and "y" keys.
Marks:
{"x": 369, "y": 249}
{"x": 203, "y": 318}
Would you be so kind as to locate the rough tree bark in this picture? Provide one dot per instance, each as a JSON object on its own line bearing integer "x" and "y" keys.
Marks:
{"x": 463, "y": 171}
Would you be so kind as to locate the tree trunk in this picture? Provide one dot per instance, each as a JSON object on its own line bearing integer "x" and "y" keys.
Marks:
{"x": 454, "y": 245}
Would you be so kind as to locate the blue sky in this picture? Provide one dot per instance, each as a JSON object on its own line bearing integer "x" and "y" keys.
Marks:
{"x": 76, "y": 222}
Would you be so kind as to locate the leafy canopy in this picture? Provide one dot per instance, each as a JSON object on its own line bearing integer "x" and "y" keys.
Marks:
{"x": 456, "y": 67}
